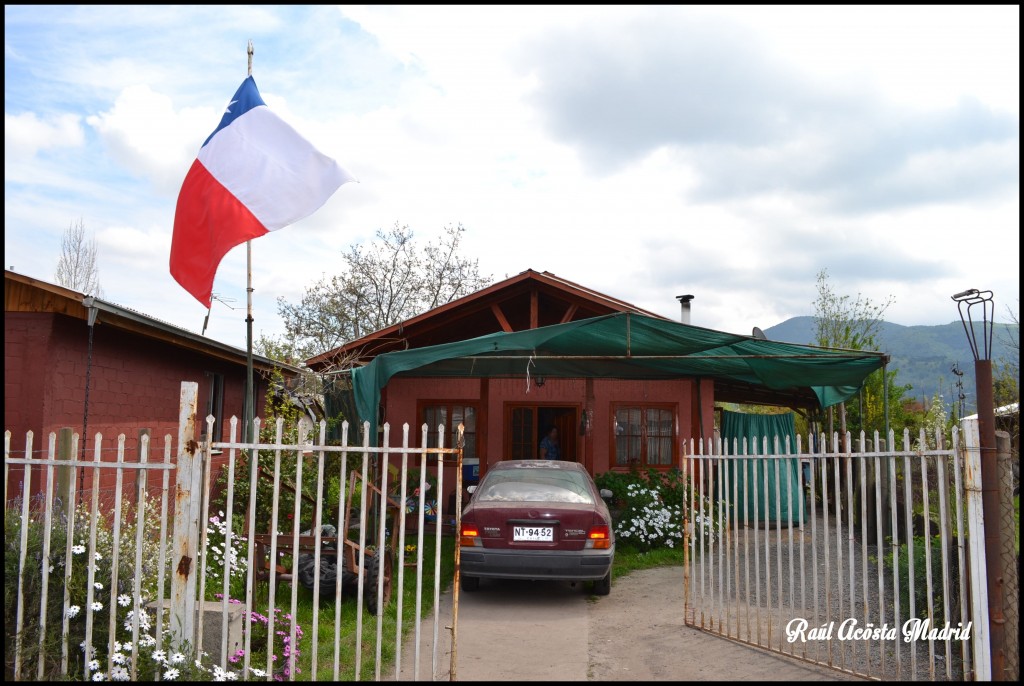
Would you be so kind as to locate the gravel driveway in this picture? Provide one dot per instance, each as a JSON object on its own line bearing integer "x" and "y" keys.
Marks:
{"x": 553, "y": 631}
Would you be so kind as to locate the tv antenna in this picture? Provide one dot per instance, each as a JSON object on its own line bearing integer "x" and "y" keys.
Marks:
{"x": 223, "y": 301}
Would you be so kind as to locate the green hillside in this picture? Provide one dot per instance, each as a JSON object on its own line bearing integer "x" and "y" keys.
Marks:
{"x": 923, "y": 356}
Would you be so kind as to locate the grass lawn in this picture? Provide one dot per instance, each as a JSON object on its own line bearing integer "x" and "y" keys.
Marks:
{"x": 350, "y": 631}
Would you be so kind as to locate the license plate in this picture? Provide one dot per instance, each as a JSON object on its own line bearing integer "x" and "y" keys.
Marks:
{"x": 533, "y": 533}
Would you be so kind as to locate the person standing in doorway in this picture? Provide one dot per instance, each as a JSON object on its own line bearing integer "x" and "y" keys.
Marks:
{"x": 549, "y": 445}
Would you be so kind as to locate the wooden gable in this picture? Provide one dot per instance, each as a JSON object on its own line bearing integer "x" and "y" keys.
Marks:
{"x": 528, "y": 300}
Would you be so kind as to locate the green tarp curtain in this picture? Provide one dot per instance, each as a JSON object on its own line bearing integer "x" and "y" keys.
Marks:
{"x": 752, "y": 481}
{"x": 623, "y": 346}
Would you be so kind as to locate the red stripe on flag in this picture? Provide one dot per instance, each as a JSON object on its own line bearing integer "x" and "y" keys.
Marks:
{"x": 208, "y": 222}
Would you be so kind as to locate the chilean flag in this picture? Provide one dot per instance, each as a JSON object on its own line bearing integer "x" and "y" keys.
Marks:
{"x": 254, "y": 174}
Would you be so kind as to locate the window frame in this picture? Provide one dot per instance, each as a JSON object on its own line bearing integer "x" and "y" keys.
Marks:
{"x": 472, "y": 447}
{"x": 644, "y": 436}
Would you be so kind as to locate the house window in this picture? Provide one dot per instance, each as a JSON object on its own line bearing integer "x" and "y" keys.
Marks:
{"x": 450, "y": 415}
{"x": 214, "y": 406}
{"x": 644, "y": 436}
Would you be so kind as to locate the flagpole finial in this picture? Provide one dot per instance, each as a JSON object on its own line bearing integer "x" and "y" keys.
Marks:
{"x": 249, "y": 50}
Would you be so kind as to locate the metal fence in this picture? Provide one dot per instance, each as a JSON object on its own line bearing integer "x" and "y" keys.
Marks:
{"x": 859, "y": 560}
{"x": 104, "y": 592}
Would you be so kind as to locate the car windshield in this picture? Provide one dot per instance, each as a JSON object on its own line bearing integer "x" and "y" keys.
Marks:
{"x": 535, "y": 485}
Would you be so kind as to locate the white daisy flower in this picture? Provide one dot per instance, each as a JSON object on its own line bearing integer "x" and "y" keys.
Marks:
{"x": 94, "y": 665}
{"x": 97, "y": 606}
{"x": 177, "y": 659}
{"x": 124, "y": 600}
{"x": 73, "y": 611}
{"x": 171, "y": 674}
{"x": 119, "y": 674}
{"x": 98, "y": 586}
{"x": 78, "y": 549}
{"x": 99, "y": 676}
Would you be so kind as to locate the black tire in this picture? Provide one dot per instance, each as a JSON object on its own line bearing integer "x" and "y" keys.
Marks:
{"x": 374, "y": 569}
{"x": 603, "y": 586}
{"x": 469, "y": 584}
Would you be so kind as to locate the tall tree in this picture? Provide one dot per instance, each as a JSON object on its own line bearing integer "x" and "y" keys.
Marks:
{"x": 851, "y": 323}
{"x": 842, "y": 322}
{"x": 76, "y": 268}
{"x": 385, "y": 282}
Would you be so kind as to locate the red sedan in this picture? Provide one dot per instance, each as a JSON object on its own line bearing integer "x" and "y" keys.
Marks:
{"x": 537, "y": 519}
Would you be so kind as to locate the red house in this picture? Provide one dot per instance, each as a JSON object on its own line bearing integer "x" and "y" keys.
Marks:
{"x": 624, "y": 387}
{"x": 72, "y": 360}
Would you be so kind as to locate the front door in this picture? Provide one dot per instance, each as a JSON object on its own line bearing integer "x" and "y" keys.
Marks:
{"x": 525, "y": 425}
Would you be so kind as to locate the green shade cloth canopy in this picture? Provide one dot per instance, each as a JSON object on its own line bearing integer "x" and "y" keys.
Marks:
{"x": 623, "y": 346}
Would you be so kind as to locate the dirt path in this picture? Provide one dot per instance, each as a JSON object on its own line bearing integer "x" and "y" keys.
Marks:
{"x": 551, "y": 631}
{"x": 637, "y": 634}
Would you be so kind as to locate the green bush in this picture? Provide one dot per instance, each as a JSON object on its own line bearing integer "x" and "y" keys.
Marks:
{"x": 921, "y": 579}
{"x": 648, "y": 508}
{"x": 105, "y": 597}
{"x": 113, "y": 604}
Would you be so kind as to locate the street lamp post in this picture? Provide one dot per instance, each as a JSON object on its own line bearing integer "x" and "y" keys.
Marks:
{"x": 981, "y": 348}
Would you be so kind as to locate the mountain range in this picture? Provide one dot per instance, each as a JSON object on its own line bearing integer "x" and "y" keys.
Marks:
{"x": 924, "y": 357}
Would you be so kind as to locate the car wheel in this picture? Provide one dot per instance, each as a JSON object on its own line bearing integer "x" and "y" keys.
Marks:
{"x": 603, "y": 586}
{"x": 469, "y": 583}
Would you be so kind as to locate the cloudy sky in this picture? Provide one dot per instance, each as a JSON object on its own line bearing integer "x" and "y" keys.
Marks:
{"x": 731, "y": 153}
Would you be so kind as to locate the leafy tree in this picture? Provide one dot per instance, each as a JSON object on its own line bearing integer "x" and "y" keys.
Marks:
{"x": 384, "y": 283}
{"x": 844, "y": 323}
{"x": 852, "y": 324}
{"x": 76, "y": 267}
{"x": 283, "y": 350}
{"x": 867, "y": 412}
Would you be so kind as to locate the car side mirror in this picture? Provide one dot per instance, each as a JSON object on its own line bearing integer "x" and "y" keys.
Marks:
{"x": 606, "y": 494}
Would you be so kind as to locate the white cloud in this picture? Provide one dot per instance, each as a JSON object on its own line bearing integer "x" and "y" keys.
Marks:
{"x": 26, "y": 134}
{"x": 145, "y": 134}
{"x": 646, "y": 152}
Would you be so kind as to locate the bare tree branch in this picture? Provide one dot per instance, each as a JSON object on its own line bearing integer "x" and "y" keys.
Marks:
{"x": 76, "y": 268}
{"x": 385, "y": 282}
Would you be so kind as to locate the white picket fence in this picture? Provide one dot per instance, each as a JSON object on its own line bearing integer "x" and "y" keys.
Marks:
{"x": 138, "y": 642}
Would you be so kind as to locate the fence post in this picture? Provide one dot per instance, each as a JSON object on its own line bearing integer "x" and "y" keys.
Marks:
{"x": 65, "y": 473}
{"x": 184, "y": 547}
{"x": 1009, "y": 557}
{"x": 976, "y": 548}
{"x": 140, "y": 478}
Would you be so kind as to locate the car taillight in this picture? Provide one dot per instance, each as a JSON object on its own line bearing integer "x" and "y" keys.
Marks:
{"x": 470, "y": 535}
{"x": 599, "y": 537}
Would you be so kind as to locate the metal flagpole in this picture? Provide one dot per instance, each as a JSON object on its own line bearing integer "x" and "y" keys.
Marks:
{"x": 248, "y": 408}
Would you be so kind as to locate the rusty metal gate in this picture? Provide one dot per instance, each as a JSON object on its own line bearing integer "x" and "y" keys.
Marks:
{"x": 858, "y": 560}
